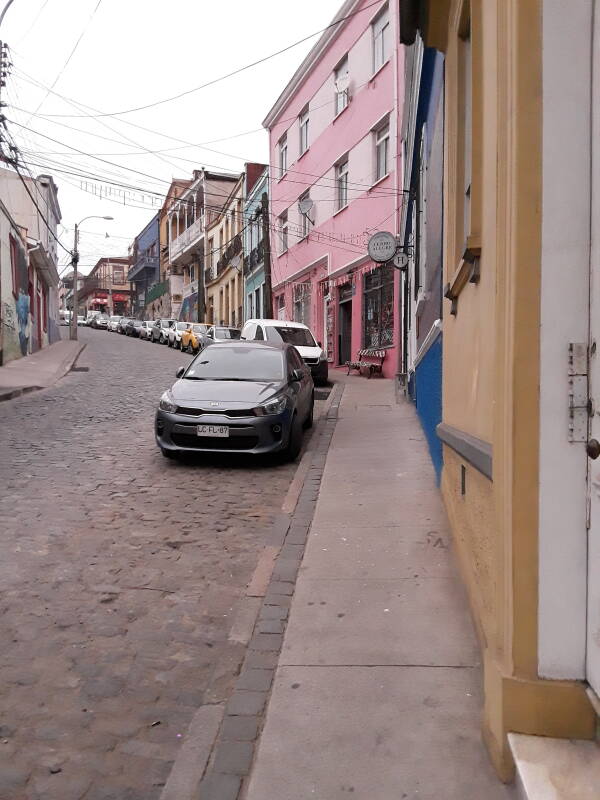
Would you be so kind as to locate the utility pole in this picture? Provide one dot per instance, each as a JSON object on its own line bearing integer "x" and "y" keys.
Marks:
{"x": 74, "y": 262}
{"x": 268, "y": 299}
{"x": 201, "y": 299}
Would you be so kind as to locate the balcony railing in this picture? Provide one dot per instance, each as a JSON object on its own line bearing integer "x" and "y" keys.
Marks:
{"x": 190, "y": 237}
{"x": 254, "y": 258}
{"x": 146, "y": 262}
{"x": 231, "y": 252}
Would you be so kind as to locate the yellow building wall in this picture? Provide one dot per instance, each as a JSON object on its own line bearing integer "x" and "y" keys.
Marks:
{"x": 491, "y": 357}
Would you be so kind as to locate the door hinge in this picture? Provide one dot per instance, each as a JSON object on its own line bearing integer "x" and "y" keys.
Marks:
{"x": 578, "y": 392}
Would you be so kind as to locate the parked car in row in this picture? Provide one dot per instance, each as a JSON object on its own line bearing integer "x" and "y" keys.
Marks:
{"x": 145, "y": 330}
{"x": 194, "y": 338}
{"x": 90, "y": 317}
{"x": 222, "y": 333}
{"x": 174, "y": 334}
{"x": 132, "y": 327}
{"x": 296, "y": 333}
{"x": 112, "y": 323}
{"x": 101, "y": 321}
{"x": 160, "y": 330}
{"x": 122, "y": 323}
{"x": 252, "y": 397}
{"x": 80, "y": 320}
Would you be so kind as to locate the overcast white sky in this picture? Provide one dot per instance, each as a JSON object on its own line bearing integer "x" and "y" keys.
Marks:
{"x": 135, "y": 52}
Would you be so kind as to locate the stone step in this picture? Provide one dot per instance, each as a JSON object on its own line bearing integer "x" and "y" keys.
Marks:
{"x": 555, "y": 769}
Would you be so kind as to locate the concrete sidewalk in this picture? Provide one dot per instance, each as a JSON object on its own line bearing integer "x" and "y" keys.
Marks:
{"x": 39, "y": 370}
{"x": 377, "y": 694}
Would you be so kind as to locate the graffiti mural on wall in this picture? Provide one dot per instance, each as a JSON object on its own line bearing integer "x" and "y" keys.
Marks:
{"x": 21, "y": 292}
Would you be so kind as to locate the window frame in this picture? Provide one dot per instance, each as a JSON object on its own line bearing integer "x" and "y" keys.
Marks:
{"x": 14, "y": 265}
{"x": 380, "y": 40}
{"x": 284, "y": 233}
{"x": 282, "y": 145}
{"x": 380, "y": 293}
{"x": 344, "y": 94}
{"x": 380, "y": 139}
{"x": 340, "y": 173}
{"x": 303, "y": 124}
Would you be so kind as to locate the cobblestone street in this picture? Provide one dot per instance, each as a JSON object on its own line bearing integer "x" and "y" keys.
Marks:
{"x": 120, "y": 576}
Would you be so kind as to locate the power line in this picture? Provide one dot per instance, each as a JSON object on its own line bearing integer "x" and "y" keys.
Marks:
{"x": 229, "y": 74}
{"x": 212, "y": 150}
{"x": 39, "y": 210}
{"x": 70, "y": 56}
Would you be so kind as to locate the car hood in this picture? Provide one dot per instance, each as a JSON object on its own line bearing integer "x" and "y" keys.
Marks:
{"x": 240, "y": 394}
{"x": 309, "y": 352}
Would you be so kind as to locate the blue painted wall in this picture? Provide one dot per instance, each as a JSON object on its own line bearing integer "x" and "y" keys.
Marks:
{"x": 427, "y": 393}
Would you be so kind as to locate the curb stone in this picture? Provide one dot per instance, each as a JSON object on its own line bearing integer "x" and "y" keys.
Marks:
{"x": 233, "y": 752}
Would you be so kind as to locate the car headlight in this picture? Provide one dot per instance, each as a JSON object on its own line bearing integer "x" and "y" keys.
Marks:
{"x": 322, "y": 357}
{"x": 274, "y": 406}
{"x": 167, "y": 403}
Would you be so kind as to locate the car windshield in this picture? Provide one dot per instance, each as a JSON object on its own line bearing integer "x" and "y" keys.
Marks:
{"x": 137, "y": 323}
{"x": 115, "y": 319}
{"x": 227, "y": 333}
{"x": 166, "y": 323}
{"x": 237, "y": 364}
{"x": 200, "y": 328}
{"x": 183, "y": 326}
{"x": 299, "y": 337}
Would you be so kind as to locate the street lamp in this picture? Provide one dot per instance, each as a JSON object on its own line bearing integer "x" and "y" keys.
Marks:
{"x": 5, "y": 9}
{"x": 74, "y": 262}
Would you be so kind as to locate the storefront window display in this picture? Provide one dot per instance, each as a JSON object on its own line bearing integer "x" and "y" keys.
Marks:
{"x": 378, "y": 305}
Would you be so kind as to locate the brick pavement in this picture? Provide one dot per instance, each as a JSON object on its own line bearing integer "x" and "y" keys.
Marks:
{"x": 120, "y": 576}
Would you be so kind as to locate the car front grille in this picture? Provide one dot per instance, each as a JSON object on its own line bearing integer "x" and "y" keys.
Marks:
{"x": 312, "y": 362}
{"x": 222, "y": 412}
{"x": 210, "y": 443}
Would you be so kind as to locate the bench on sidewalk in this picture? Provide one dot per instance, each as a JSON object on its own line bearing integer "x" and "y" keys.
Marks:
{"x": 368, "y": 359}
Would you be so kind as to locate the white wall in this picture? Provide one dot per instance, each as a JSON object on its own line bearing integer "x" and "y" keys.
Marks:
{"x": 564, "y": 319}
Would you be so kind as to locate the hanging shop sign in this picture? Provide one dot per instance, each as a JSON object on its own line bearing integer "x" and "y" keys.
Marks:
{"x": 382, "y": 246}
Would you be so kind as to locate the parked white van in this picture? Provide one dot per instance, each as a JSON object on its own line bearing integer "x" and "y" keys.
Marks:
{"x": 296, "y": 333}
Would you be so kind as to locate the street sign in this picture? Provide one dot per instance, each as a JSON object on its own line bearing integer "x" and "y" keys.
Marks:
{"x": 382, "y": 246}
{"x": 401, "y": 260}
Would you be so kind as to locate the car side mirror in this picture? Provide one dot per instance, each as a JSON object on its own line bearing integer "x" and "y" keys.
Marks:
{"x": 180, "y": 372}
{"x": 297, "y": 375}
{"x": 320, "y": 345}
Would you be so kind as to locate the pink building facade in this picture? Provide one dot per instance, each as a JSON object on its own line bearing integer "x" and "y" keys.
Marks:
{"x": 335, "y": 179}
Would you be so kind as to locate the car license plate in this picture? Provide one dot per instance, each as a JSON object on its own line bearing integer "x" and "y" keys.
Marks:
{"x": 217, "y": 431}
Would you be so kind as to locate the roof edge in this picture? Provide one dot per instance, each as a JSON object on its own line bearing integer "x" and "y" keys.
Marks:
{"x": 313, "y": 56}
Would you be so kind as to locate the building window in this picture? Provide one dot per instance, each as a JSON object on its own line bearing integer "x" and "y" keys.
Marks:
{"x": 45, "y": 307}
{"x": 257, "y": 303}
{"x": 118, "y": 276}
{"x": 192, "y": 273}
{"x": 281, "y": 306}
{"x": 283, "y": 223}
{"x": 382, "y": 150}
{"x": 302, "y": 303}
{"x": 378, "y": 304}
{"x": 341, "y": 184}
{"x": 465, "y": 125}
{"x": 341, "y": 77}
{"x": 381, "y": 39}
{"x": 14, "y": 264}
{"x": 303, "y": 120}
{"x": 283, "y": 155}
{"x": 305, "y": 221}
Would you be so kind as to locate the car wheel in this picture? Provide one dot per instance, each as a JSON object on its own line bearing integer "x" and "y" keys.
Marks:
{"x": 168, "y": 453}
{"x": 294, "y": 445}
{"x": 190, "y": 349}
{"x": 308, "y": 422}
